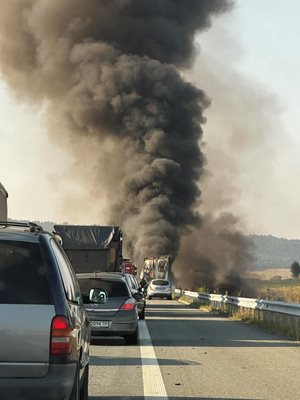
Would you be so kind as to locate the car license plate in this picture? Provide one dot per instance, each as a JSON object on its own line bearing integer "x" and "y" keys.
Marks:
{"x": 99, "y": 324}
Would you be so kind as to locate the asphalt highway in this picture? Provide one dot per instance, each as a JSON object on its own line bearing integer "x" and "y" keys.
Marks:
{"x": 192, "y": 355}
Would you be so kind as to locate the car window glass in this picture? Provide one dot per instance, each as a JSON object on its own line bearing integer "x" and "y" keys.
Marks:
{"x": 160, "y": 282}
{"x": 112, "y": 288}
{"x": 129, "y": 283}
{"x": 23, "y": 274}
{"x": 134, "y": 285}
{"x": 67, "y": 273}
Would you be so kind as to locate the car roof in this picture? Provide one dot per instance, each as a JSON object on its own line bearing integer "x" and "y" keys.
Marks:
{"x": 112, "y": 276}
{"x": 20, "y": 231}
{"x": 17, "y": 236}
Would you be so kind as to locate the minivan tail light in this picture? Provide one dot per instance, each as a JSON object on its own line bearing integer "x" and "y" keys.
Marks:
{"x": 61, "y": 336}
{"x": 128, "y": 306}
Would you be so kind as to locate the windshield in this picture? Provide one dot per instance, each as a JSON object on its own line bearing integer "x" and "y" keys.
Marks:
{"x": 112, "y": 288}
{"x": 160, "y": 282}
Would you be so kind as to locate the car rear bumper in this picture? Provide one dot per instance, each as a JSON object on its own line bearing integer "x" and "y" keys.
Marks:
{"x": 160, "y": 294}
{"x": 56, "y": 385}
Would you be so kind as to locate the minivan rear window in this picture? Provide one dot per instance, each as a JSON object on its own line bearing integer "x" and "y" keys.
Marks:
{"x": 23, "y": 274}
{"x": 112, "y": 288}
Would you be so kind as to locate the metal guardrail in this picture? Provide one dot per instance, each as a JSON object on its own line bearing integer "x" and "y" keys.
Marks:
{"x": 267, "y": 305}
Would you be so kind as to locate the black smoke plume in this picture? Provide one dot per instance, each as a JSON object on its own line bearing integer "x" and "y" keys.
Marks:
{"x": 110, "y": 70}
{"x": 217, "y": 257}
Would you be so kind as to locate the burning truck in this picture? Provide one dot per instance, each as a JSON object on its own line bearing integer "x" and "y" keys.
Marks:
{"x": 157, "y": 268}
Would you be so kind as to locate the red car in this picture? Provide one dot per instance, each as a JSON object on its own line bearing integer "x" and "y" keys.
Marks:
{"x": 129, "y": 266}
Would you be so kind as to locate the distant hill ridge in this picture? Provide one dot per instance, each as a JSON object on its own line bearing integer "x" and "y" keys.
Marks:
{"x": 268, "y": 251}
{"x": 272, "y": 252}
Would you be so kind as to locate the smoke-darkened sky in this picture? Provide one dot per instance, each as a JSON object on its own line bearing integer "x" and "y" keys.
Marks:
{"x": 110, "y": 71}
{"x": 259, "y": 48}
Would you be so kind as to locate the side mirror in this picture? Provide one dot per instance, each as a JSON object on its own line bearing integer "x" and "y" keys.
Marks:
{"x": 97, "y": 295}
{"x": 138, "y": 296}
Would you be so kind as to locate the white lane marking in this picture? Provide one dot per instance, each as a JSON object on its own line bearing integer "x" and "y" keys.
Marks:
{"x": 153, "y": 382}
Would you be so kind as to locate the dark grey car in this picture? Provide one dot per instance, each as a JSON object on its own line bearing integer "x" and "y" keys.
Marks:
{"x": 111, "y": 307}
{"x": 136, "y": 291}
{"x": 44, "y": 329}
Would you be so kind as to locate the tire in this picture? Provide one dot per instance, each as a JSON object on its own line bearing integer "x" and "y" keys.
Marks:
{"x": 84, "y": 391}
{"x": 149, "y": 297}
{"x": 133, "y": 338}
{"x": 75, "y": 395}
{"x": 142, "y": 314}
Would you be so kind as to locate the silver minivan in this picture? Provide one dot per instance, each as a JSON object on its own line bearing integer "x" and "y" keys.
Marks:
{"x": 44, "y": 329}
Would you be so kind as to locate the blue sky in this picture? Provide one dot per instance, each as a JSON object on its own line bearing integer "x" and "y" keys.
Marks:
{"x": 254, "y": 49}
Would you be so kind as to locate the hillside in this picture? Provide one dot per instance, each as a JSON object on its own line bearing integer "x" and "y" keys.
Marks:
{"x": 273, "y": 252}
{"x": 268, "y": 251}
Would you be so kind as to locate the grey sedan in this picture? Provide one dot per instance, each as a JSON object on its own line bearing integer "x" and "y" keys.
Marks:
{"x": 110, "y": 306}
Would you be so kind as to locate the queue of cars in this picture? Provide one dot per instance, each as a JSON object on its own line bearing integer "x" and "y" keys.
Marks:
{"x": 51, "y": 314}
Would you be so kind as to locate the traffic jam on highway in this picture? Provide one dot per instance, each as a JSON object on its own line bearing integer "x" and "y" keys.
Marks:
{"x": 58, "y": 292}
{"x": 111, "y": 130}
{"x": 78, "y": 324}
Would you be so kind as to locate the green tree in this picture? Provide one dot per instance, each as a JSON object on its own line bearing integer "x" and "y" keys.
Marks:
{"x": 295, "y": 269}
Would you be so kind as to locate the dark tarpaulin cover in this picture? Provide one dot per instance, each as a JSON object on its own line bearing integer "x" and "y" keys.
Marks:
{"x": 87, "y": 236}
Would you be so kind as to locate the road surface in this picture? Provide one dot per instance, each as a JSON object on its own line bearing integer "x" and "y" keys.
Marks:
{"x": 193, "y": 355}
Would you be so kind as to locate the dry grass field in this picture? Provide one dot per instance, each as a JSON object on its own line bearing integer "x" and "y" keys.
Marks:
{"x": 270, "y": 273}
{"x": 287, "y": 290}
{"x": 275, "y": 284}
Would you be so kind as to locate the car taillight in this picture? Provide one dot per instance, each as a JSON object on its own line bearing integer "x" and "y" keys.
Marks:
{"x": 128, "y": 305}
{"x": 61, "y": 336}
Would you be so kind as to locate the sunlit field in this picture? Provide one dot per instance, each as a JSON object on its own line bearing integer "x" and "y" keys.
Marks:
{"x": 287, "y": 290}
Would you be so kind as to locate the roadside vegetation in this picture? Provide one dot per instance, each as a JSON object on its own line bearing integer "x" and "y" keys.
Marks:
{"x": 287, "y": 290}
{"x": 276, "y": 323}
{"x": 276, "y": 289}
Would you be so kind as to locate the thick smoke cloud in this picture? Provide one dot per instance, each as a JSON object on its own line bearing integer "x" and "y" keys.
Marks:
{"x": 107, "y": 70}
{"x": 242, "y": 135}
{"x": 216, "y": 256}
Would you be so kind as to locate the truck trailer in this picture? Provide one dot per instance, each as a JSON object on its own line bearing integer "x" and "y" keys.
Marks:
{"x": 157, "y": 268}
{"x": 92, "y": 248}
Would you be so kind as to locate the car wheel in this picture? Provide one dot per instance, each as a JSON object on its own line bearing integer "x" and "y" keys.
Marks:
{"x": 149, "y": 297}
{"x": 133, "y": 338}
{"x": 142, "y": 314}
{"x": 75, "y": 395}
{"x": 84, "y": 391}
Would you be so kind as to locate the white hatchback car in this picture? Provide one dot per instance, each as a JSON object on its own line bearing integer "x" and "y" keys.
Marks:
{"x": 159, "y": 288}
